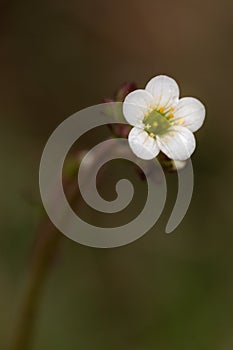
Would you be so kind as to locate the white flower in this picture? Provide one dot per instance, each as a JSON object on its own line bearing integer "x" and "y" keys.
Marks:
{"x": 162, "y": 121}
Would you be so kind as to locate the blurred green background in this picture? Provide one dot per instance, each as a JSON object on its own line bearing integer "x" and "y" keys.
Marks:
{"x": 165, "y": 292}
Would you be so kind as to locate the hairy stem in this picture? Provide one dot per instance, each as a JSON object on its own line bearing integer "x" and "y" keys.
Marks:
{"x": 36, "y": 276}
{"x": 42, "y": 257}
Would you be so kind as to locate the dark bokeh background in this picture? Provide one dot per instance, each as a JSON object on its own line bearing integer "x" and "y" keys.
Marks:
{"x": 162, "y": 292}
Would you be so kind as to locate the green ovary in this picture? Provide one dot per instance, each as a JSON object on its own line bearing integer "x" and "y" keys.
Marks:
{"x": 156, "y": 123}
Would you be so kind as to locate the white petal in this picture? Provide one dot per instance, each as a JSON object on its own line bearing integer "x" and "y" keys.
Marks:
{"x": 136, "y": 105}
{"x": 179, "y": 164}
{"x": 164, "y": 90}
{"x": 142, "y": 144}
{"x": 191, "y": 111}
{"x": 178, "y": 144}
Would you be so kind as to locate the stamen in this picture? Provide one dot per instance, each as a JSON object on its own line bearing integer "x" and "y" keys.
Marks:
{"x": 181, "y": 122}
{"x": 156, "y": 123}
{"x": 171, "y": 115}
{"x": 161, "y": 109}
{"x": 172, "y": 108}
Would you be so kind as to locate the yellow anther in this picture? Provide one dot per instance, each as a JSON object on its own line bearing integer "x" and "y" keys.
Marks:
{"x": 181, "y": 122}
{"x": 161, "y": 109}
{"x": 171, "y": 133}
{"x": 155, "y": 124}
{"x": 171, "y": 115}
{"x": 172, "y": 108}
{"x": 152, "y": 135}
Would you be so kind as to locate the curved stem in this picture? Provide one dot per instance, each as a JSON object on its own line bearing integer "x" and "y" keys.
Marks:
{"x": 38, "y": 270}
{"x": 43, "y": 255}
{"x": 45, "y": 250}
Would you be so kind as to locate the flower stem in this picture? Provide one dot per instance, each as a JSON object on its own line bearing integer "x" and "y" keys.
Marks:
{"x": 42, "y": 257}
{"x": 45, "y": 252}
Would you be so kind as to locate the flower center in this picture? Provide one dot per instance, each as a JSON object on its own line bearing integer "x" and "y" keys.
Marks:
{"x": 156, "y": 123}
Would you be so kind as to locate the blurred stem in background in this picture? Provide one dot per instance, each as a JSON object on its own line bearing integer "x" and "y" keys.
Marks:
{"x": 46, "y": 247}
{"x": 36, "y": 276}
{"x": 45, "y": 251}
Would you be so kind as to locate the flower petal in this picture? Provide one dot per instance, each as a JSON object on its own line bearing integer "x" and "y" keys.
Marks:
{"x": 178, "y": 144}
{"x": 164, "y": 90}
{"x": 136, "y": 105}
{"x": 142, "y": 144}
{"x": 191, "y": 111}
{"x": 178, "y": 164}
